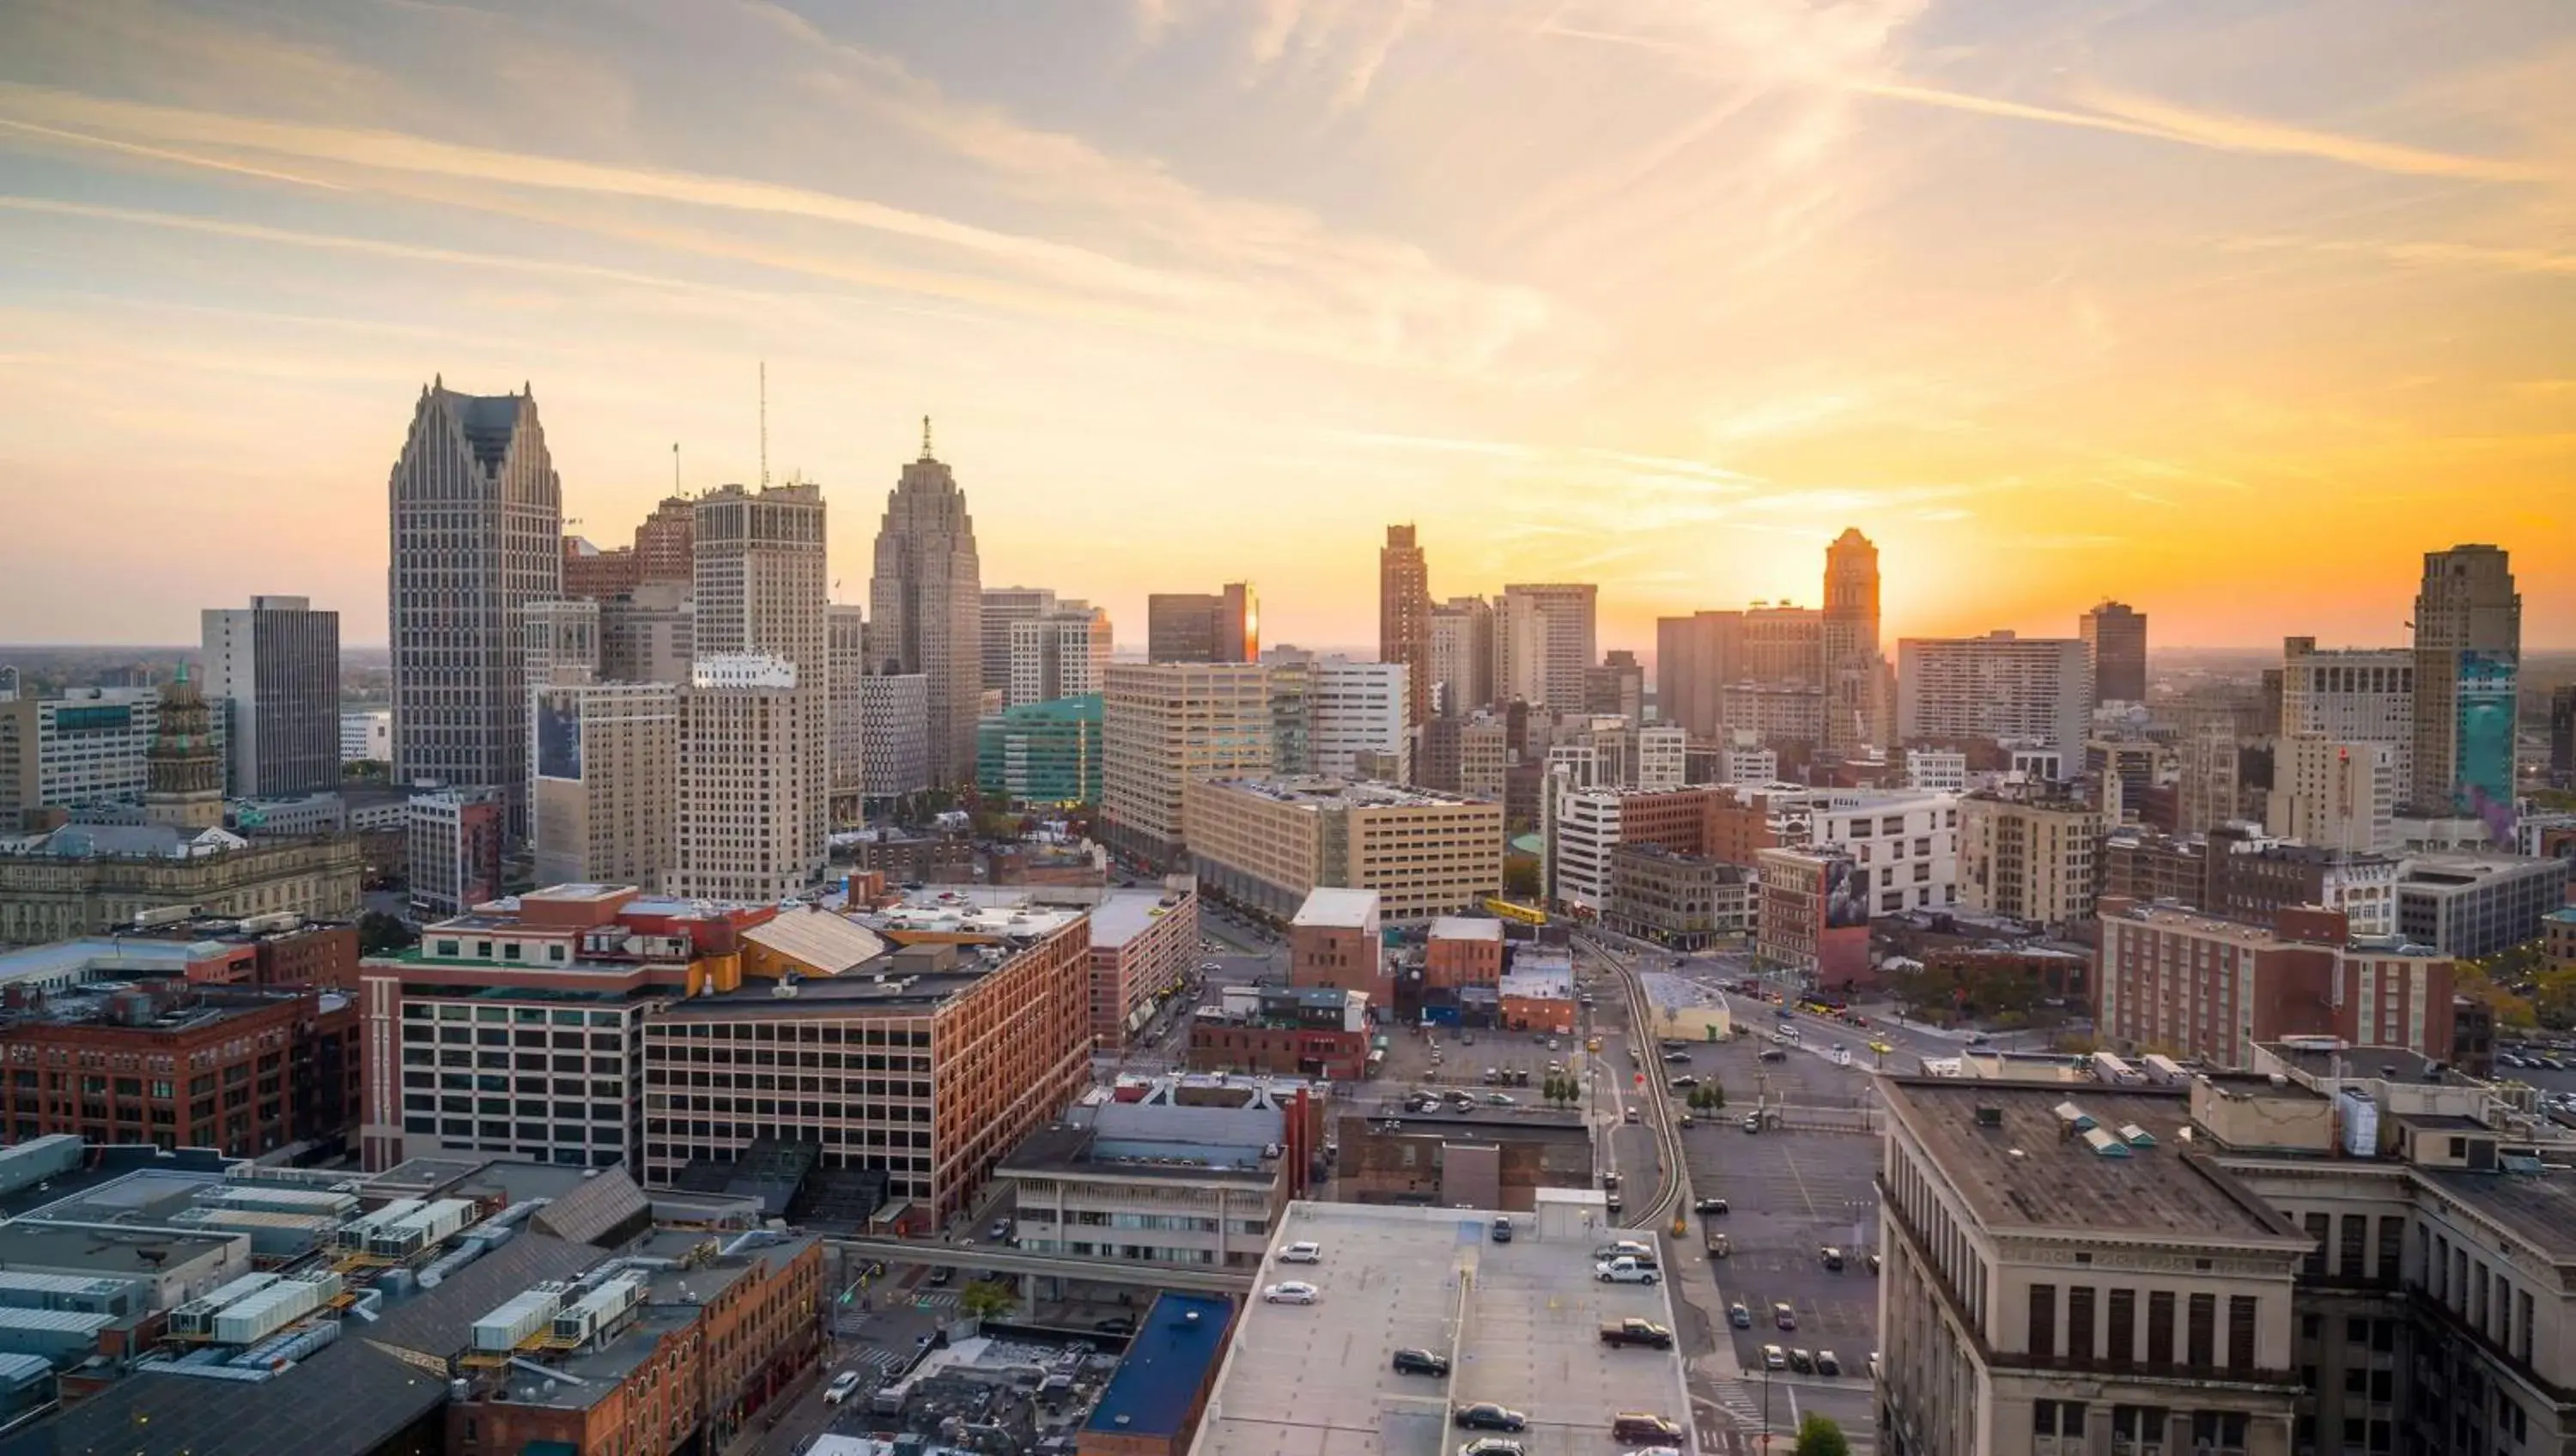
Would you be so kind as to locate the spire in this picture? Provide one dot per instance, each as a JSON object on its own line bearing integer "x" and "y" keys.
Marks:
{"x": 925, "y": 437}
{"x": 183, "y": 672}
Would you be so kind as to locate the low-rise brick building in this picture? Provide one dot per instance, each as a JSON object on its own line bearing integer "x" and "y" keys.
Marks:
{"x": 1286, "y": 1031}
{"x": 1686, "y": 901}
{"x": 1463, "y": 952}
{"x": 1483, "y": 1158}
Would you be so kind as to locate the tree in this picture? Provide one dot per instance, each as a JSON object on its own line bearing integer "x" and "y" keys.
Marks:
{"x": 1818, "y": 1436}
{"x": 987, "y": 1299}
{"x": 1707, "y": 1097}
{"x": 1520, "y": 878}
{"x": 379, "y": 933}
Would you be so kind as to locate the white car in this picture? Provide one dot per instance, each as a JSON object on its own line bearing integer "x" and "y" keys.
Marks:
{"x": 1304, "y": 1251}
{"x": 1623, "y": 1271}
{"x": 840, "y": 1388}
{"x": 1290, "y": 1292}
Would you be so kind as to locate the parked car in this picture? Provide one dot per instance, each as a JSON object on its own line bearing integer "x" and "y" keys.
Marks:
{"x": 1116, "y": 1324}
{"x": 1738, "y": 1316}
{"x": 1420, "y": 1362}
{"x": 1636, "y": 1332}
{"x": 1709, "y": 1205}
{"x": 841, "y": 1386}
{"x": 1000, "y": 1230}
{"x": 1774, "y": 1358}
{"x": 940, "y": 1275}
{"x": 1626, "y": 1249}
{"x": 1292, "y": 1291}
{"x": 1802, "y": 1362}
{"x": 1502, "y": 1229}
{"x": 1831, "y": 1258}
{"x": 1679, "y": 1058}
{"x": 1491, "y": 1446}
{"x": 1484, "y": 1415}
{"x": 1631, "y": 1427}
{"x": 1752, "y": 1122}
{"x": 1828, "y": 1363}
{"x": 1501, "y": 1099}
{"x": 1304, "y": 1251}
{"x": 1783, "y": 1316}
{"x": 1774, "y": 1054}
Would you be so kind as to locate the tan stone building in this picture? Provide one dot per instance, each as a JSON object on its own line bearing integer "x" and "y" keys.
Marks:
{"x": 1266, "y": 843}
{"x": 605, "y": 783}
{"x": 84, "y": 879}
{"x": 1165, "y": 724}
{"x": 2036, "y": 862}
{"x": 743, "y": 833}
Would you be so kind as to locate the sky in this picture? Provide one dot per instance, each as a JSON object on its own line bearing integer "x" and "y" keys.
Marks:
{"x": 2229, "y": 309}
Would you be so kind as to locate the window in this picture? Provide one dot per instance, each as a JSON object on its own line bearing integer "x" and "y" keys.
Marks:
{"x": 2043, "y": 1320}
{"x": 2123, "y": 1344}
{"x": 2392, "y": 1246}
{"x": 2160, "y": 1327}
{"x": 2314, "y": 1265}
{"x": 2079, "y": 1322}
{"x": 2200, "y": 1333}
{"x": 2353, "y": 1232}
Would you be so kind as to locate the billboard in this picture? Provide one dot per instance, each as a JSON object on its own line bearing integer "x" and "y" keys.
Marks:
{"x": 1846, "y": 893}
{"x": 558, "y": 729}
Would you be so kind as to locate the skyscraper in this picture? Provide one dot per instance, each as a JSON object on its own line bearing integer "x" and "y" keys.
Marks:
{"x": 1061, "y": 654}
{"x": 1221, "y": 626}
{"x": 761, "y": 588}
{"x": 2115, "y": 639}
{"x": 926, "y": 606}
{"x": 1695, "y": 656}
{"x": 1462, "y": 654}
{"x": 477, "y": 517}
{"x": 2562, "y": 736}
{"x": 1404, "y": 616}
{"x": 1005, "y": 607}
{"x": 273, "y": 672}
{"x": 1851, "y": 641}
{"x": 1544, "y": 640}
{"x": 2351, "y": 695}
{"x": 2468, "y": 652}
{"x": 845, "y": 717}
{"x": 745, "y": 811}
{"x": 1164, "y": 725}
{"x": 2001, "y": 688}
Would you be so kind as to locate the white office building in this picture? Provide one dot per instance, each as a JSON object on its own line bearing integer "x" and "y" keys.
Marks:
{"x": 272, "y": 674}
{"x": 1061, "y": 653}
{"x": 742, "y": 815}
{"x": 1999, "y": 687}
{"x": 2333, "y": 795}
{"x": 1355, "y": 708}
{"x": 1903, "y": 844}
{"x": 2351, "y": 695}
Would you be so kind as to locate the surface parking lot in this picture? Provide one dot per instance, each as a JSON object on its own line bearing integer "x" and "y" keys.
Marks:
{"x": 1791, "y": 1193}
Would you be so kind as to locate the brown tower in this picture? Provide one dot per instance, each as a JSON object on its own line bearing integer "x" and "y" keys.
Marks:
{"x": 1404, "y": 618}
{"x": 185, "y": 782}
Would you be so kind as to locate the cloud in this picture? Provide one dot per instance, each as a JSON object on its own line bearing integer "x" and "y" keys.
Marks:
{"x": 2226, "y": 133}
{"x": 160, "y": 154}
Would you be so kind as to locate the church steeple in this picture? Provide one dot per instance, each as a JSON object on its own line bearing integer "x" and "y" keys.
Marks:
{"x": 184, "y": 775}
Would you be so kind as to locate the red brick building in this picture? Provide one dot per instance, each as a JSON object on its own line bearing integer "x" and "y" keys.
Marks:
{"x": 1463, "y": 952}
{"x": 1738, "y": 829}
{"x": 1334, "y": 941}
{"x": 1291, "y": 1031}
{"x": 2190, "y": 985}
{"x": 180, "y": 1064}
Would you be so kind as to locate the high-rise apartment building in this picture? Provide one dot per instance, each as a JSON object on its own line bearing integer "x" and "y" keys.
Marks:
{"x": 605, "y": 780}
{"x": 1462, "y": 655}
{"x": 2115, "y": 642}
{"x": 1356, "y": 708}
{"x": 2468, "y": 654}
{"x": 2033, "y": 860}
{"x": 1545, "y": 640}
{"x": 2562, "y": 736}
{"x": 2333, "y": 795}
{"x": 744, "y": 817}
{"x": 1005, "y": 606}
{"x": 1220, "y": 626}
{"x": 1267, "y": 843}
{"x": 477, "y": 517}
{"x": 1164, "y": 725}
{"x": 762, "y": 588}
{"x": 560, "y": 641}
{"x": 1404, "y": 616}
{"x": 1060, "y": 653}
{"x": 1695, "y": 657}
{"x": 273, "y": 672}
{"x": 2353, "y": 695}
{"x": 926, "y": 606}
{"x": 1999, "y": 687}
{"x": 845, "y": 624}
{"x": 1851, "y": 642}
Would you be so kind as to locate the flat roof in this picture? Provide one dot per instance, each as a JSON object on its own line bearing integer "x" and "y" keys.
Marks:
{"x": 2541, "y": 1209}
{"x": 1320, "y": 791}
{"x": 2026, "y": 1174}
{"x": 1122, "y": 915}
{"x": 1337, "y": 909}
{"x": 1168, "y": 1363}
{"x": 1465, "y": 927}
{"x": 138, "y": 1253}
{"x": 1316, "y": 1380}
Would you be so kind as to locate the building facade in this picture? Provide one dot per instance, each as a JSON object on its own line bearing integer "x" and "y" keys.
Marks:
{"x": 1851, "y": 643}
{"x": 1143, "y": 943}
{"x": 272, "y": 669}
{"x": 2115, "y": 644}
{"x": 79, "y": 881}
{"x": 1061, "y": 653}
{"x": 1695, "y": 656}
{"x": 761, "y": 589}
{"x": 1004, "y": 608}
{"x": 1219, "y": 626}
{"x": 894, "y": 731}
{"x": 89, "y": 748}
{"x": 2037, "y": 862}
{"x": 1355, "y": 708}
{"x": 2468, "y": 649}
{"x": 1267, "y": 843}
{"x": 2354, "y": 695}
{"x": 1688, "y": 902}
{"x": 456, "y": 840}
{"x": 926, "y": 607}
{"x": 605, "y": 782}
{"x": 1404, "y": 617}
{"x": 742, "y": 820}
{"x": 1462, "y": 651}
{"x": 1544, "y": 641}
{"x": 1999, "y": 688}
{"x": 2333, "y": 795}
{"x": 1042, "y": 753}
{"x": 2472, "y": 905}
{"x": 477, "y": 526}
{"x": 2191, "y": 985}
{"x": 1165, "y": 725}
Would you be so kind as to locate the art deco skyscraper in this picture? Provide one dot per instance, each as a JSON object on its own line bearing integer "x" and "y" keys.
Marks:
{"x": 926, "y": 606}
{"x": 1404, "y": 617}
{"x": 761, "y": 589}
{"x": 477, "y": 516}
{"x": 1851, "y": 641}
{"x": 2468, "y": 652}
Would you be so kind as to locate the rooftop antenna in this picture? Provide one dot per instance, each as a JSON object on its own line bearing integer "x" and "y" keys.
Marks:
{"x": 675, "y": 467}
{"x": 764, "y": 424}
{"x": 925, "y": 437}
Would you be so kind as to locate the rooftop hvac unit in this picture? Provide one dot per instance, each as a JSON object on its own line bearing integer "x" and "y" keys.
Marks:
{"x": 599, "y": 1310}
{"x": 354, "y": 1233}
{"x": 420, "y": 1229}
{"x": 197, "y": 1316}
{"x": 274, "y": 1308}
{"x": 285, "y": 1200}
{"x": 518, "y": 1321}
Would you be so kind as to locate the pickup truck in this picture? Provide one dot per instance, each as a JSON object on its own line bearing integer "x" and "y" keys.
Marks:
{"x": 1624, "y": 1271}
{"x": 1636, "y": 1332}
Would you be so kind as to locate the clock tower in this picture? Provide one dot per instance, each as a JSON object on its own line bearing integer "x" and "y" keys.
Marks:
{"x": 186, "y": 776}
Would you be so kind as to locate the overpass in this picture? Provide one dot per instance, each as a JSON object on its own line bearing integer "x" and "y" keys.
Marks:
{"x": 1002, "y": 1259}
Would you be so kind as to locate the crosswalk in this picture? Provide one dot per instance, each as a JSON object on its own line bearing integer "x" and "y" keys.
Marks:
{"x": 877, "y": 1360}
{"x": 1736, "y": 1396}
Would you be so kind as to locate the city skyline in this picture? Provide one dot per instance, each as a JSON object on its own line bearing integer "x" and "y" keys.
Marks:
{"x": 1819, "y": 267}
